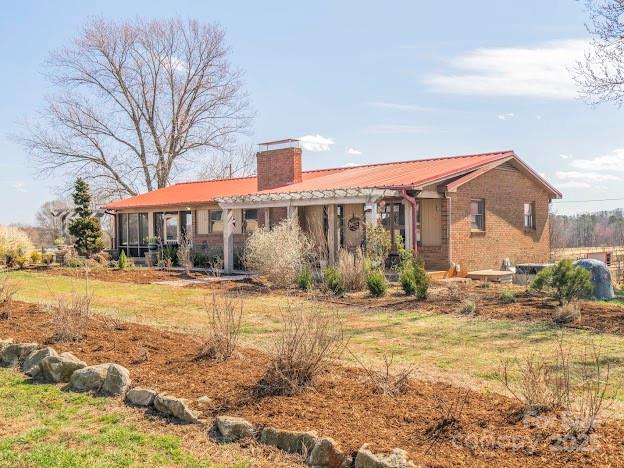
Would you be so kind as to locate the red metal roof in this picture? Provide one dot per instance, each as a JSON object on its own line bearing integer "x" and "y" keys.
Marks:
{"x": 396, "y": 174}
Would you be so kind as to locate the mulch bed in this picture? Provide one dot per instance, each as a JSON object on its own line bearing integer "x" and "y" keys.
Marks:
{"x": 340, "y": 406}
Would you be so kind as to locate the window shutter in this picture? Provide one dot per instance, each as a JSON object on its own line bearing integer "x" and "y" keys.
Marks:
{"x": 202, "y": 222}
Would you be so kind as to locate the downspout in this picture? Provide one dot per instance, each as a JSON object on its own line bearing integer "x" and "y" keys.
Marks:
{"x": 412, "y": 201}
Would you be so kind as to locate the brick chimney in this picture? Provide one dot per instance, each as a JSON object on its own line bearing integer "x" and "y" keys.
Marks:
{"x": 278, "y": 164}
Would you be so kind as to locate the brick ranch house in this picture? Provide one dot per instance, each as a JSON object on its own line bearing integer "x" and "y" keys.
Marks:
{"x": 474, "y": 211}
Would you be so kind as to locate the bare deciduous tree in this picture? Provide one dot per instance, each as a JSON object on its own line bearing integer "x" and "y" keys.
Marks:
{"x": 137, "y": 102}
{"x": 600, "y": 75}
{"x": 239, "y": 162}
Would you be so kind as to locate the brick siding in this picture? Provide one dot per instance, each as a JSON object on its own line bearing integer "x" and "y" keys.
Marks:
{"x": 505, "y": 191}
{"x": 279, "y": 167}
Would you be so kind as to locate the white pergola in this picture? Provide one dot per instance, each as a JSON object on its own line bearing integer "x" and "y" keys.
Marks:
{"x": 293, "y": 200}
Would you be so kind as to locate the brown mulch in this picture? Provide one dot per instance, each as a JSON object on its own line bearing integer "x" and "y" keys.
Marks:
{"x": 340, "y": 406}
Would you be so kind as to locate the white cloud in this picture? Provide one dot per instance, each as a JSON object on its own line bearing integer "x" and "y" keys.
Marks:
{"x": 19, "y": 187}
{"x": 315, "y": 143}
{"x": 353, "y": 151}
{"x": 565, "y": 156}
{"x": 573, "y": 184}
{"x": 585, "y": 176}
{"x": 351, "y": 164}
{"x": 608, "y": 162}
{"x": 539, "y": 71}
{"x": 506, "y": 116}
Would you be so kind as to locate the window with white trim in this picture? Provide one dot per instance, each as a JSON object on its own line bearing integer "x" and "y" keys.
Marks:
{"x": 477, "y": 214}
{"x": 529, "y": 216}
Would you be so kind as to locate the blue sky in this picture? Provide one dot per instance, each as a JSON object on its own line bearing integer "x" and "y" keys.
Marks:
{"x": 367, "y": 82}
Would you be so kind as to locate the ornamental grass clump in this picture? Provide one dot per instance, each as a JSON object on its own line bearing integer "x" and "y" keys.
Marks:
{"x": 70, "y": 319}
{"x": 278, "y": 253}
{"x": 352, "y": 268}
{"x": 7, "y": 291}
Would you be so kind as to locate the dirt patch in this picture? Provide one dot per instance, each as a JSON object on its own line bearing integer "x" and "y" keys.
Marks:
{"x": 341, "y": 406}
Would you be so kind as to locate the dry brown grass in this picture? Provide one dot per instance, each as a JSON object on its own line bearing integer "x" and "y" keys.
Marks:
{"x": 223, "y": 330}
{"x": 567, "y": 313}
{"x": 385, "y": 380}
{"x": 70, "y": 318}
{"x": 7, "y": 291}
{"x": 307, "y": 343}
{"x": 352, "y": 268}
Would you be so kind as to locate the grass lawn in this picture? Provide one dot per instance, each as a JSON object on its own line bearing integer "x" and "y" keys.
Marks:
{"x": 451, "y": 347}
{"x": 40, "y": 425}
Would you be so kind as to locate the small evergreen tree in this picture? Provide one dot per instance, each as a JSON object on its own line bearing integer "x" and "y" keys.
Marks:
{"x": 86, "y": 229}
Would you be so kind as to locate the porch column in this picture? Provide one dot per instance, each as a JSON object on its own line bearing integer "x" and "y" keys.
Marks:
{"x": 331, "y": 233}
{"x": 267, "y": 218}
{"x": 370, "y": 210}
{"x": 228, "y": 241}
{"x": 292, "y": 212}
{"x": 409, "y": 226}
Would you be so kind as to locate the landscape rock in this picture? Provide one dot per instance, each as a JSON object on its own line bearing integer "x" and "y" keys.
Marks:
{"x": 117, "y": 380}
{"x": 601, "y": 277}
{"x": 140, "y": 396}
{"x": 289, "y": 441}
{"x": 35, "y": 358}
{"x": 396, "y": 459}
{"x": 233, "y": 428}
{"x": 14, "y": 353}
{"x": 176, "y": 407}
{"x": 89, "y": 379}
{"x": 326, "y": 454}
{"x": 57, "y": 369}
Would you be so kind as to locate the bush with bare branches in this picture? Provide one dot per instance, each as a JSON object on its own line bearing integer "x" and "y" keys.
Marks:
{"x": 352, "y": 267}
{"x": 183, "y": 253}
{"x": 7, "y": 291}
{"x": 279, "y": 253}
{"x": 70, "y": 319}
{"x": 578, "y": 384}
{"x": 223, "y": 330}
{"x": 385, "y": 380}
{"x": 307, "y": 343}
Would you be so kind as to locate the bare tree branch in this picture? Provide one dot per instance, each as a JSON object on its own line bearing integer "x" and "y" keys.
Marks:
{"x": 240, "y": 162}
{"x": 600, "y": 75}
{"x": 139, "y": 102}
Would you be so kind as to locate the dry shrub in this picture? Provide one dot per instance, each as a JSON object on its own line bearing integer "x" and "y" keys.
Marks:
{"x": 113, "y": 324}
{"x": 280, "y": 253}
{"x": 14, "y": 243}
{"x": 566, "y": 314}
{"x": 455, "y": 292}
{"x": 541, "y": 384}
{"x": 449, "y": 411}
{"x": 468, "y": 307}
{"x": 386, "y": 380}
{"x": 7, "y": 291}
{"x": 352, "y": 268}
{"x": 224, "y": 329}
{"x": 578, "y": 384}
{"x": 184, "y": 255}
{"x": 306, "y": 345}
{"x": 70, "y": 319}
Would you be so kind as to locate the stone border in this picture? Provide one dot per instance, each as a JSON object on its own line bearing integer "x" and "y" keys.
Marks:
{"x": 43, "y": 364}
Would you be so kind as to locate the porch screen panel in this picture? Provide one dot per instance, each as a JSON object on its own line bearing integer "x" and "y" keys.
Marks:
{"x": 133, "y": 229}
{"x": 431, "y": 222}
{"x": 123, "y": 229}
{"x": 143, "y": 228}
{"x": 158, "y": 225}
{"x": 202, "y": 222}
